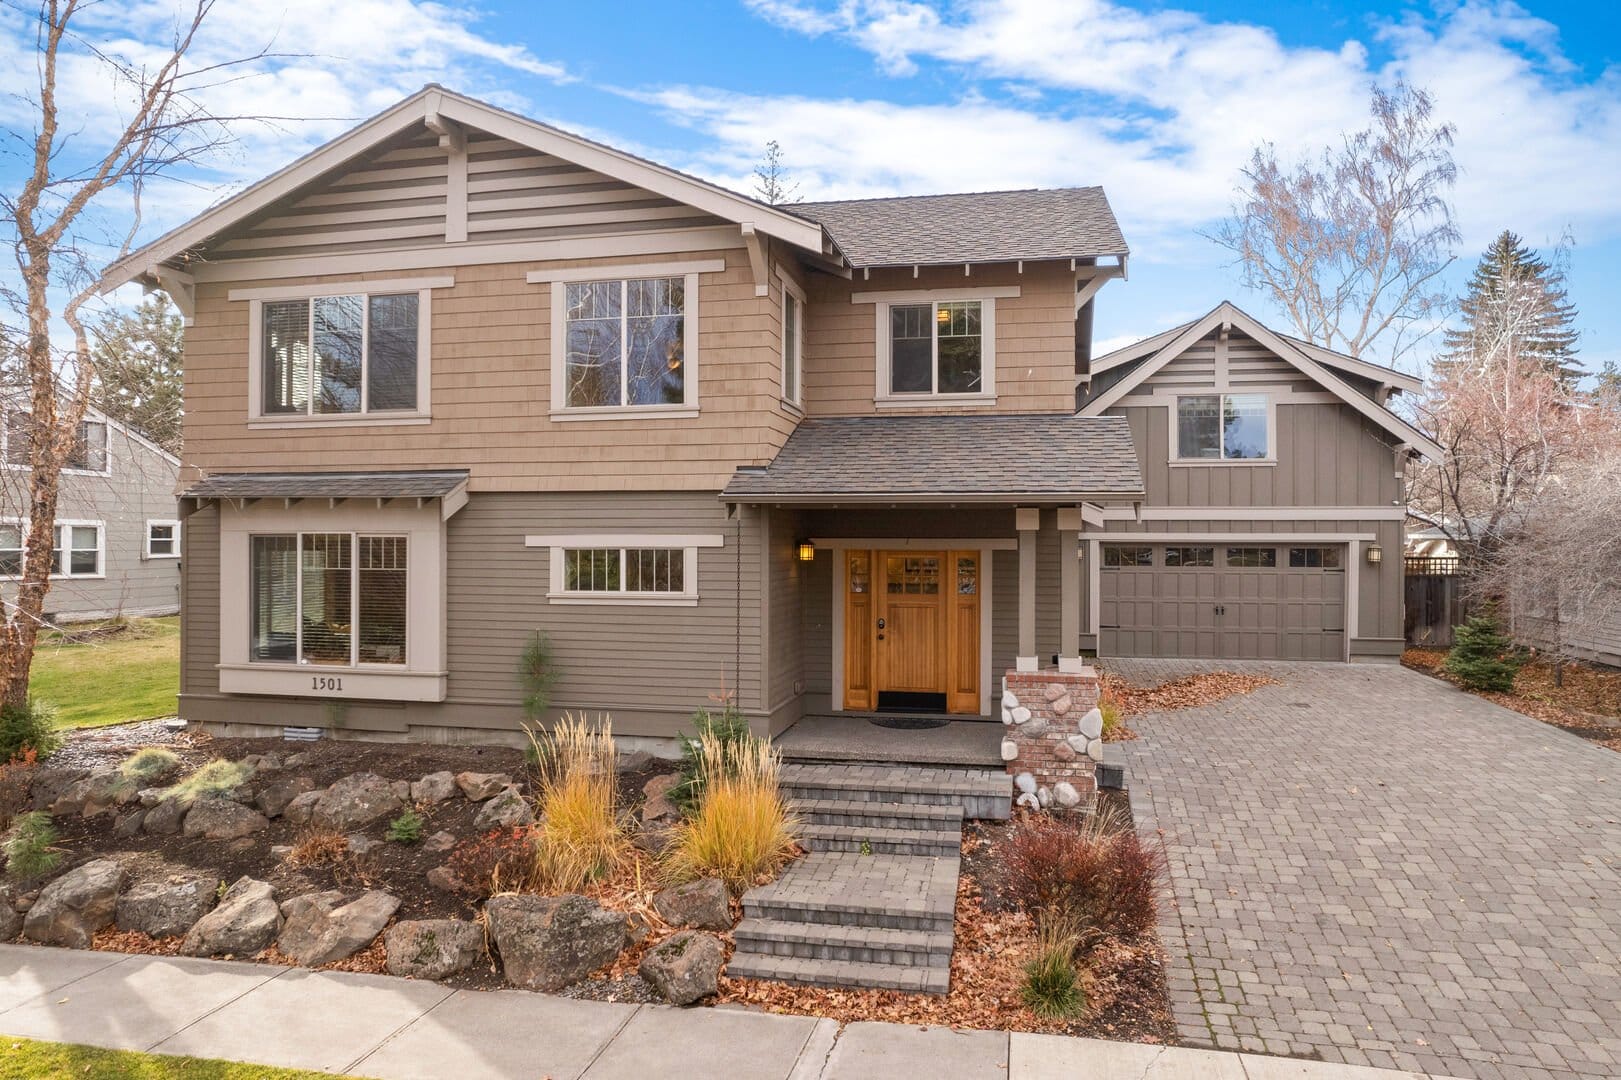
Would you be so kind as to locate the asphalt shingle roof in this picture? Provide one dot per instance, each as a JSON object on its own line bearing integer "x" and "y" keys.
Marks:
{"x": 974, "y": 458}
{"x": 990, "y": 226}
{"x": 328, "y": 485}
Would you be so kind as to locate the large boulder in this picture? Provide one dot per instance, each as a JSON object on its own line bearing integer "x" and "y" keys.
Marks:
{"x": 216, "y": 817}
{"x": 246, "y": 920}
{"x": 703, "y": 904}
{"x": 72, "y": 908}
{"x": 166, "y": 818}
{"x": 356, "y": 801}
{"x": 684, "y": 967}
{"x": 11, "y": 920}
{"x": 435, "y": 788}
{"x": 657, "y": 806}
{"x": 480, "y": 786}
{"x": 432, "y": 948}
{"x": 166, "y": 908}
{"x": 273, "y": 798}
{"x": 321, "y": 928}
{"x": 302, "y": 808}
{"x": 48, "y": 782}
{"x": 506, "y": 810}
{"x": 95, "y": 794}
{"x": 548, "y": 942}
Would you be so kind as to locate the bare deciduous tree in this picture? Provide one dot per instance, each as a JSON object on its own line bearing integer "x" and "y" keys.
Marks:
{"x": 1352, "y": 245}
{"x": 161, "y": 125}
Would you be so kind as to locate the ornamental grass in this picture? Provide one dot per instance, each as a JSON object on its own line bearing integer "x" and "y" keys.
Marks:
{"x": 581, "y": 837}
{"x": 740, "y": 831}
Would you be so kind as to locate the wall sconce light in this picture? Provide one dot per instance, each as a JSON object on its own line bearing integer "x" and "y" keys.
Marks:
{"x": 807, "y": 551}
{"x": 1376, "y": 554}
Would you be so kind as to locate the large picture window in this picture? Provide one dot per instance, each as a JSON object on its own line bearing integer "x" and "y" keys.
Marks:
{"x": 339, "y": 355}
{"x": 333, "y": 599}
{"x": 1222, "y": 427}
{"x": 937, "y": 348}
{"x": 625, "y": 342}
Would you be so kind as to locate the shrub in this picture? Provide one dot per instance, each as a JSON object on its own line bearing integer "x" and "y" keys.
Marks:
{"x": 406, "y": 829}
{"x": 16, "y": 783}
{"x": 1102, "y": 876}
{"x": 217, "y": 777}
{"x": 29, "y": 726}
{"x": 148, "y": 765}
{"x": 317, "y": 845}
{"x": 28, "y": 846}
{"x": 1113, "y": 715}
{"x": 1481, "y": 657}
{"x": 499, "y": 859}
{"x": 729, "y": 729}
{"x": 537, "y": 674}
{"x": 1051, "y": 988}
{"x": 580, "y": 837}
{"x": 740, "y": 831}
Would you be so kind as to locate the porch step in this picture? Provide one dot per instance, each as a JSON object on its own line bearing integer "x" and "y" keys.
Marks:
{"x": 881, "y": 841}
{"x": 858, "y": 944}
{"x": 981, "y": 793}
{"x": 883, "y": 815}
{"x": 799, "y": 969}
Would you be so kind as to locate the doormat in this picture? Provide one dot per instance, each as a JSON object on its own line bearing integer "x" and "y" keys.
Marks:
{"x": 907, "y": 723}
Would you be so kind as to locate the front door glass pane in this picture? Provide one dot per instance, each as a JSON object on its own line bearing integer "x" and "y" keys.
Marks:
{"x": 967, "y": 576}
{"x": 860, "y": 572}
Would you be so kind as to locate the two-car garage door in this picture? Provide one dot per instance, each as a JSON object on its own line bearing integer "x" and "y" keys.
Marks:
{"x": 1232, "y": 601}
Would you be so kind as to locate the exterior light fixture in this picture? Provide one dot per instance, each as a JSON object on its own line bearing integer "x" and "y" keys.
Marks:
{"x": 807, "y": 551}
{"x": 1376, "y": 554}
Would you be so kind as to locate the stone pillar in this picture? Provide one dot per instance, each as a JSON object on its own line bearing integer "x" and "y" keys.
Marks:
{"x": 1053, "y": 737}
{"x": 1069, "y": 589}
{"x": 1028, "y": 521}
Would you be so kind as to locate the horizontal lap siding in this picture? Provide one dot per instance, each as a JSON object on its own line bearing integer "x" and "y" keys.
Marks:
{"x": 200, "y": 610}
{"x": 786, "y": 576}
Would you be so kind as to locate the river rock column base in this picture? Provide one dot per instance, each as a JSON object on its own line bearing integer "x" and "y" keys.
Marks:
{"x": 1052, "y": 738}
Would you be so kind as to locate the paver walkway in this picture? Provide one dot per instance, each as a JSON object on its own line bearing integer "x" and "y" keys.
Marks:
{"x": 1373, "y": 866}
{"x": 395, "y": 1029}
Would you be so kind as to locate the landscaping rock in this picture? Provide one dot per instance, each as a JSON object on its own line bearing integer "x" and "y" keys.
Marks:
{"x": 1026, "y": 783}
{"x": 703, "y": 904}
{"x": 274, "y": 798}
{"x": 360, "y": 844}
{"x": 11, "y": 920}
{"x": 280, "y": 851}
{"x": 49, "y": 782}
{"x": 634, "y": 761}
{"x": 129, "y": 824}
{"x": 684, "y": 967}
{"x": 214, "y": 817}
{"x": 72, "y": 908}
{"x": 166, "y": 908}
{"x": 94, "y": 794}
{"x": 166, "y": 818}
{"x": 434, "y": 788}
{"x": 302, "y": 808}
{"x": 658, "y": 837}
{"x": 1021, "y": 715}
{"x": 658, "y": 806}
{"x": 1044, "y": 797}
{"x": 548, "y": 942}
{"x": 432, "y": 948}
{"x": 444, "y": 878}
{"x": 1091, "y": 724}
{"x": 1077, "y": 743}
{"x": 439, "y": 842}
{"x": 1094, "y": 749}
{"x": 480, "y": 786}
{"x": 246, "y": 920}
{"x": 1009, "y": 699}
{"x": 401, "y": 789}
{"x": 1066, "y": 795}
{"x": 1010, "y": 749}
{"x": 151, "y": 796}
{"x": 356, "y": 801}
{"x": 320, "y": 928}
{"x": 507, "y": 809}
{"x": 1028, "y": 800}
{"x": 263, "y": 763}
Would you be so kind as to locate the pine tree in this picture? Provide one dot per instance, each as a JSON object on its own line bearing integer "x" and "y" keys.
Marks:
{"x": 771, "y": 182}
{"x": 137, "y": 358}
{"x": 1481, "y": 657}
{"x": 1515, "y": 308}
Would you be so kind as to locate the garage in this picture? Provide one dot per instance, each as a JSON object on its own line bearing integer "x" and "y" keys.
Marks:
{"x": 1223, "y": 601}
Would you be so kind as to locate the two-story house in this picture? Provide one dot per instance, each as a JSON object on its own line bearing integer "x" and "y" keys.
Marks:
{"x": 459, "y": 377}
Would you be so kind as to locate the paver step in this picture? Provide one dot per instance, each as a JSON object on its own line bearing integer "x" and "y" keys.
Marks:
{"x": 861, "y": 944}
{"x": 982, "y": 793}
{"x": 870, "y": 840}
{"x": 799, "y": 969}
{"x": 883, "y": 815}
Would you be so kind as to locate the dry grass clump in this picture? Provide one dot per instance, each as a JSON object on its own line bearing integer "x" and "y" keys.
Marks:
{"x": 217, "y": 777}
{"x": 1099, "y": 873}
{"x": 581, "y": 836}
{"x": 1052, "y": 985}
{"x": 148, "y": 765}
{"x": 318, "y": 845}
{"x": 740, "y": 830}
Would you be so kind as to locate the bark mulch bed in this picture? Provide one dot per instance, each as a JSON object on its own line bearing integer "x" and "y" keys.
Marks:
{"x": 1185, "y": 692}
{"x": 1588, "y": 704}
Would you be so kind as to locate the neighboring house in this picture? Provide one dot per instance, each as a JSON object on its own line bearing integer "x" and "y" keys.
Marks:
{"x": 117, "y": 529}
{"x": 458, "y": 377}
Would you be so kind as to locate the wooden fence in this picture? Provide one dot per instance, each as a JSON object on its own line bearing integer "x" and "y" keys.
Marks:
{"x": 1434, "y": 592}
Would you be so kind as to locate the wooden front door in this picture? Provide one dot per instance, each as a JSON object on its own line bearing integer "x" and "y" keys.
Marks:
{"x": 911, "y": 626}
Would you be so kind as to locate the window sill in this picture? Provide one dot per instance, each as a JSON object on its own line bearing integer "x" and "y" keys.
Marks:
{"x": 59, "y": 577}
{"x": 793, "y": 408}
{"x": 356, "y": 420}
{"x": 160, "y": 558}
{"x": 1225, "y": 463}
{"x": 628, "y": 412}
{"x": 67, "y": 470}
{"x": 376, "y": 683}
{"x": 933, "y": 401}
{"x": 585, "y": 599}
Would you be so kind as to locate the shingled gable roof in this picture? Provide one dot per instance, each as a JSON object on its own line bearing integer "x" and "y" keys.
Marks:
{"x": 436, "y": 101}
{"x": 1173, "y": 343}
{"x": 973, "y": 459}
{"x": 411, "y": 484}
{"x": 990, "y": 226}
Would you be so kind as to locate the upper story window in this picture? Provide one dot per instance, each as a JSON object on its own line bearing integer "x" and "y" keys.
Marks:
{"x": 626, "y": 343}
{"x": 936, "y": 347}
{"x": 88, "y": 453}
{"x": 1222, "y": 427}
{"x": 336, "y": 355}
{"x": 793, "y": 344}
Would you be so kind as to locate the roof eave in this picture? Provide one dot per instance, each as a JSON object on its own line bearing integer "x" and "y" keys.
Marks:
{"x": 898, "y": 499}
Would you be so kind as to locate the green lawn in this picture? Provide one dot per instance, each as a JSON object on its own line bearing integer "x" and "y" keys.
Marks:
{"x": 24, "y": 1059}
{"x": 134, "y": 676}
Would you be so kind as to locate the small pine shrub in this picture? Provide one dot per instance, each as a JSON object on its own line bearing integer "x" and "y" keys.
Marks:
{"x": 1482, "y": 658}
{"x": 29, "y": 726}
{"x": 537, "y": 674}
{"x": 406, "y": 829}
{"x": 217, "y": 777}
{"x": 740, "y": 831}
{"x": 729, "y": 729}
{"x": 28, "y": 846}
{"x": 1050, "y": 987}
{"x": 148, "y": 765}
{"x": 580, "y": 836}
{"x": 1103, "y": 877}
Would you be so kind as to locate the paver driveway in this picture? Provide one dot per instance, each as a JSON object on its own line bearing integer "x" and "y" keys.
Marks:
{"x": 1372, "y": 866}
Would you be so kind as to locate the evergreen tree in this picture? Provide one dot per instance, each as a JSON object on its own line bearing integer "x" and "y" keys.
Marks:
{"x": 1481, "y": 657}
{"x": 137, "y": 359}
{"x": 1515, "y": 309}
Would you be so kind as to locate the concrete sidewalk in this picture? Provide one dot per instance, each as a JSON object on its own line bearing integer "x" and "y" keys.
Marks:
{"x": 396, "y": 1029}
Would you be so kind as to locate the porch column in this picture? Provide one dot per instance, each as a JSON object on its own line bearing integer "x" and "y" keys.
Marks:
{"x": 1028, "y": 521}
{"x": 1069, "y": 588}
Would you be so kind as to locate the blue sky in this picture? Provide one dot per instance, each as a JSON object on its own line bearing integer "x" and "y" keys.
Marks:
{"x": 1158, "y": 101}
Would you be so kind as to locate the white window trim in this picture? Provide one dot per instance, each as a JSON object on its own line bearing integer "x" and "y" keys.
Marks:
{"x": 147, "y": 547}
{"x": 1271, "y": 458}
{"x": 883, "y": 397}
{"x": 555, "y": 280}
{"x": 106, "y": 448}
{"x": 257, "y": 298}
{"x": 793, "y": 396}
{"x": 687, "y": 543}
{"x": 101, "y": 548}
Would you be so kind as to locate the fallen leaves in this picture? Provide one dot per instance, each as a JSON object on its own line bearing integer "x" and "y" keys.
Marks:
{"x": 1186, "y": 692}
{"x": 1588, "y": 704}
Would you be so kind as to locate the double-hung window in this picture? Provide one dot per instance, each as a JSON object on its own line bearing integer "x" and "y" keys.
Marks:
{"x": 335, "y": 599}
{"x": 1222, "y": 427}
{"x": 344, "y": 355}
{"x": 625, "y": 342}
{"x": 163, "y": 539}
{"x": 76, "y": 549}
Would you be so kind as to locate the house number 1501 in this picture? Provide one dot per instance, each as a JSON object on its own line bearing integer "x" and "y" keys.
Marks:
{"x": 326, "y": 682}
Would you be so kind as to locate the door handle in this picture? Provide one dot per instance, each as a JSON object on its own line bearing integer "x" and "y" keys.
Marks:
{"x": 880, "y": 629}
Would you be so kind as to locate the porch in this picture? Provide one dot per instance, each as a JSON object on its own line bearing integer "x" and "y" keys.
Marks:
{"x": 891, "y": 738}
